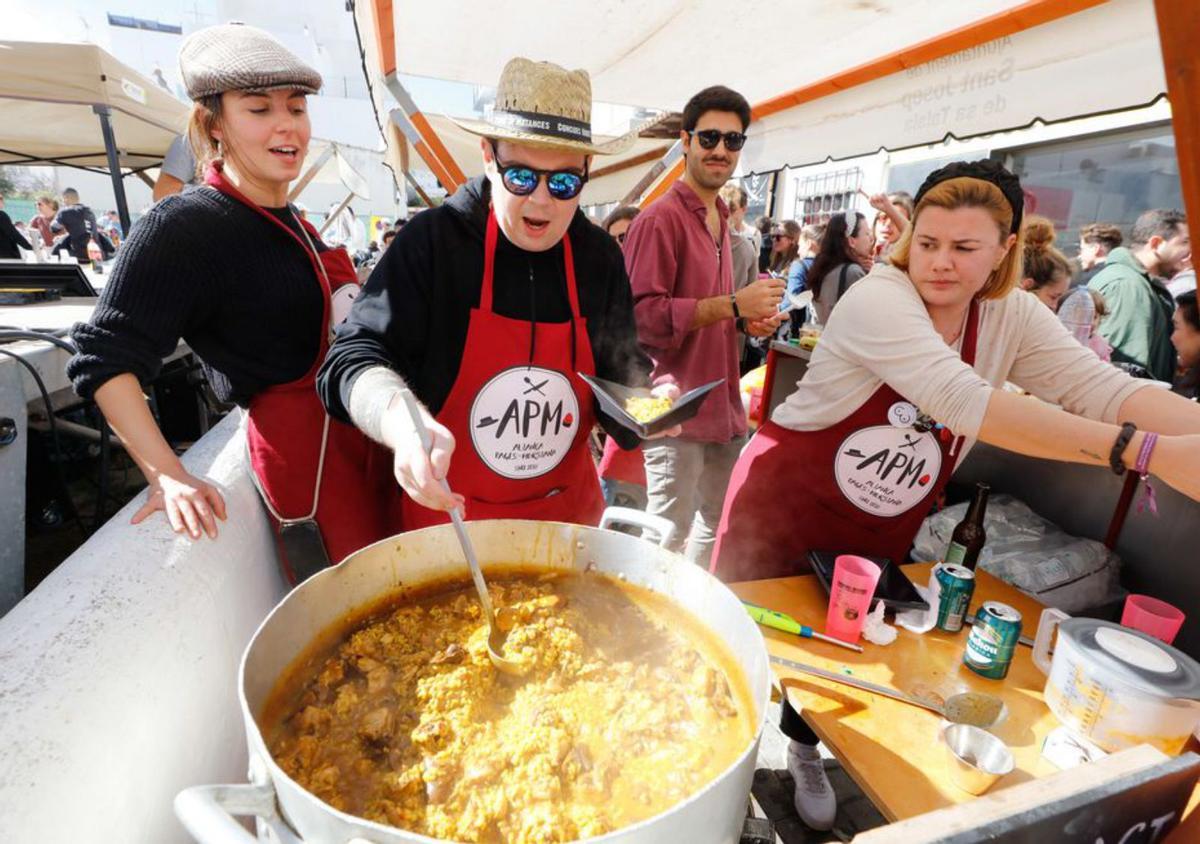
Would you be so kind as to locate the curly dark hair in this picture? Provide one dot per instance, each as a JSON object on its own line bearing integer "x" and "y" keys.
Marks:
{"x": 1161, "y": 222}
{"x": 716, "y": 98}
{"x": 1187, "y": 307}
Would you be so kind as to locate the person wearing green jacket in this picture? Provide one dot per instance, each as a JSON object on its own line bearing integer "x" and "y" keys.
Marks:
{"x": 1140, "y": 306}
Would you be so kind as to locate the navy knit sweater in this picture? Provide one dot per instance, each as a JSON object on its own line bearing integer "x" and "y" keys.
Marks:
{"x": 204, "y": 267}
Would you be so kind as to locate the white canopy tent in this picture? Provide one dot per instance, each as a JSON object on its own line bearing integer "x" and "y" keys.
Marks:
{"x": 76, "y": 105}
{"x": 852, "y": 79}
{"x": 657, "y": 53}
{"x": 326, "y": 165}
{"x": 1102, "y": 59}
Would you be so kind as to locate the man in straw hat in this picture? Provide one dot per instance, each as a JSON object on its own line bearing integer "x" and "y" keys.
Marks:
{"x": 485, "y": 309}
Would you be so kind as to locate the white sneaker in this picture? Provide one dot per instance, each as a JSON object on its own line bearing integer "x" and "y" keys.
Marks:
{"x": 815, "y": 801}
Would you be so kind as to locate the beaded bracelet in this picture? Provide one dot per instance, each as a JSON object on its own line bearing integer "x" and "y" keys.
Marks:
{"x": 1118, "y": 450}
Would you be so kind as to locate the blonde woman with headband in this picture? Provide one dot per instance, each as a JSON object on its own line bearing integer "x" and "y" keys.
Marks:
{"x": 908, "y": 374}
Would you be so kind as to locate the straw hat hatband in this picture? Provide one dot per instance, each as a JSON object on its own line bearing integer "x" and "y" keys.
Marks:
{"x": 544, "y": 105}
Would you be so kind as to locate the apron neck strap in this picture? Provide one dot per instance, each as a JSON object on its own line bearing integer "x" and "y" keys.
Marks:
{"x": 490, "y": 242}
{"x": 489, "y": 261}
{"x": 971, "y": 334}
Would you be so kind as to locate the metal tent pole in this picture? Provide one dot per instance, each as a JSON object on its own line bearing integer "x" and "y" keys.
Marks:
{"x": 114, "y": 164}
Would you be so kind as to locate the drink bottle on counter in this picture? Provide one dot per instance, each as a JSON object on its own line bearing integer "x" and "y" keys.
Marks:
{"x": 969, "y": 536}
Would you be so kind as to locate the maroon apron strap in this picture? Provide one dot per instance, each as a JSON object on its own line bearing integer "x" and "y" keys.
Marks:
{"x": 971, "y": 334}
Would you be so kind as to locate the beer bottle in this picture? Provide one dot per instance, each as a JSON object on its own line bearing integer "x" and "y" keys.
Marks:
{"x": 969, "y": 537}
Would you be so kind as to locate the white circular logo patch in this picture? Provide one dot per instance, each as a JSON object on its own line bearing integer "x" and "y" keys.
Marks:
{"x": 886, "y": 470}
{"x": 341, "y": 301}
{"x": 902, "y": 414}
{"x": 523, "y": 421}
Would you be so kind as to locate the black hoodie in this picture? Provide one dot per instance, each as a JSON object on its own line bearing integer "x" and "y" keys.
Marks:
{"x": 413, "y": 313}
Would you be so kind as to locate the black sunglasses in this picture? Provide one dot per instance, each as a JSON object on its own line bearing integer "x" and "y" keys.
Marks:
{"x": 522, "y": 180}
{"x": 779, "y": 236}
{"x": 709, "y": 138}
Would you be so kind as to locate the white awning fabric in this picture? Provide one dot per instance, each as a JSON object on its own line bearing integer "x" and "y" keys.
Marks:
{"x": 657, "y": 53}
{"x": 47, "y": 94}
{"x": 336, "y": 170}
{"x": 1099, "y": 60}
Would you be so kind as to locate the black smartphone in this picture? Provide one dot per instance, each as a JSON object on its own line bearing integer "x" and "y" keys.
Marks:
{"x": 894, "y": 588}
{"x": 303, "y": 549}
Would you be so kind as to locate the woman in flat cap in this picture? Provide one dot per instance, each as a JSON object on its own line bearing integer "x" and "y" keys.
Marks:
{"x": 229, "y": 267}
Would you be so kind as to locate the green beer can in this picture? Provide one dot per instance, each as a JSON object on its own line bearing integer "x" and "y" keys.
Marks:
{"x": 956, "y": 585}
{"x": 992, "y": 640}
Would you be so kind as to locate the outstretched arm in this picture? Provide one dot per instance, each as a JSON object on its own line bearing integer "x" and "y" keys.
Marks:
{"x": 1031, "y": 427}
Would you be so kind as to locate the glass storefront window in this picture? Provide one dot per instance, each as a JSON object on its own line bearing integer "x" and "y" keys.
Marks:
{"x": 908, "y": 177}
{"x": 1109, "y": 178}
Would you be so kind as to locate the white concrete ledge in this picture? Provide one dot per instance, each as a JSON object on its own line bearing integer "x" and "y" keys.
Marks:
{"x": 118, "y": 674}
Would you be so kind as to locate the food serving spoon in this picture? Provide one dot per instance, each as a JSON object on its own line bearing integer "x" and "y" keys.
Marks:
{"x": 495, "y": 640}
{"x": 974, "y": 708}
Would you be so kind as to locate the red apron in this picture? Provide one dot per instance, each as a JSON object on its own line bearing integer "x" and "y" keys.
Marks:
{"x": 617, "y": 464}
{"x": 520, "y": 415}
{"x": 357, "y": 500}
{"x": 862, "y": 486}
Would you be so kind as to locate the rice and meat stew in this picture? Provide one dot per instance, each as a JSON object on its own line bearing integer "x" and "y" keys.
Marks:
{"x": 628, "y": 706}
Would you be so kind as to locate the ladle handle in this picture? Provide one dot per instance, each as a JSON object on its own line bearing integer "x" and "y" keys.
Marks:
{"x": 423, "y": 435}
{"x": 460, "y": 527}
{"x": 862, "y": 685}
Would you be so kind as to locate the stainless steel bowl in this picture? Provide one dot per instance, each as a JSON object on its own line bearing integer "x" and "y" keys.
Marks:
{"x": 976, "y": 758}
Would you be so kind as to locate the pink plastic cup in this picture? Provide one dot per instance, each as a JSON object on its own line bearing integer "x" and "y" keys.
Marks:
{"x": 854, "y": 580}
{"x": 1150, "y": 615}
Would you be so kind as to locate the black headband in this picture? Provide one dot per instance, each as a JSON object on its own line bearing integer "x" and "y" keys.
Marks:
{"x": 988, "y": 171}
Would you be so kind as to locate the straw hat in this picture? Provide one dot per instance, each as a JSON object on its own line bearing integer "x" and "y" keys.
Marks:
{"x": 544, "y": 105}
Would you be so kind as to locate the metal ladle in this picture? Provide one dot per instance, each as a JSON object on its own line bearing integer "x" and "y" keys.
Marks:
{"x": 496, "y": 637}
{"x": 974, "y": 708}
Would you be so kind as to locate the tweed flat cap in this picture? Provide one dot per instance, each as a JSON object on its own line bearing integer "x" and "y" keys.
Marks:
{"x": 237, "y": 57}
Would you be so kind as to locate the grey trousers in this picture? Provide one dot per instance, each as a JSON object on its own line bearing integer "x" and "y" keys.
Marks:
{"x": 685, "y": 483}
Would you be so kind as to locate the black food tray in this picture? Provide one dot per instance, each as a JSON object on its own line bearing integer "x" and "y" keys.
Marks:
{"x": 894, "y": 588}
{"x": 612, "y": 399}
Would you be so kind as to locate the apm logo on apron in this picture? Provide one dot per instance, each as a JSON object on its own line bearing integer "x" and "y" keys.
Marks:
{"x": 524, "y": 420}
{"x": 886, "y": 470}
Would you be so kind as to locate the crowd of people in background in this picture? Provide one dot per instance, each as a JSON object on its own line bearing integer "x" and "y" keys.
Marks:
{"x": 1135, "y": 282}
{"x": 66, "y": 228}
